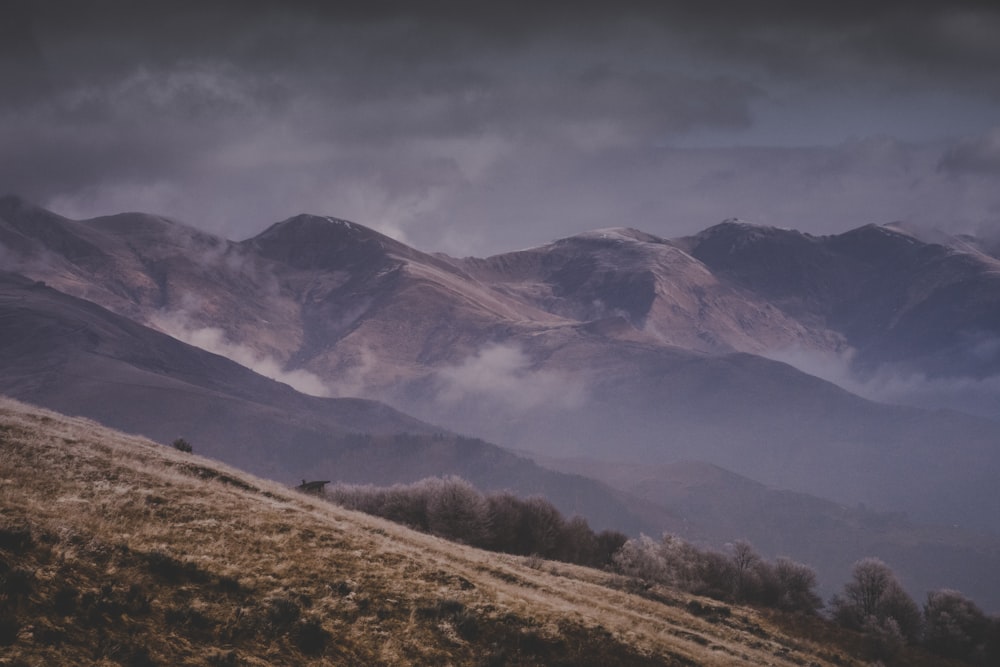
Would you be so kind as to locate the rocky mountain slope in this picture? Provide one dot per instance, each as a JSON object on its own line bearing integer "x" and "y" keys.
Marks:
{"x": 115, "y": 550}
{"x": 893, "y": 297}
{"x": 615, "y": 344}
{"x": 71, "y": 355}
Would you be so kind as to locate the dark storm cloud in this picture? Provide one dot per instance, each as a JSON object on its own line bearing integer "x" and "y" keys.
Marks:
{"x": 926, "y": 38}
{"x": 472, "y": 126}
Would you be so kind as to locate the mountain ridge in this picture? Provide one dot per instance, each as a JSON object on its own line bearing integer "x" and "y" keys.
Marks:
{"x": 72, "y": 355}
{"x": 616, "y": 318}
{"x": 615, "y": 345}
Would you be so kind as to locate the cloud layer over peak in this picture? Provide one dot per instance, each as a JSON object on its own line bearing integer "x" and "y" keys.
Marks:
{"x": 477, "y": 129}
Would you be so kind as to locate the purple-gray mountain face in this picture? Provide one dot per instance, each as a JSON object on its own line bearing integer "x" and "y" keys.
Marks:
{"x": 76, "y": 357}
{"x": 613, "y": 345}
{"x": 895, "y": 299}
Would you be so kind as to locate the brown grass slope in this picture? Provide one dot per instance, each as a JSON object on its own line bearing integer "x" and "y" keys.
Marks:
{"x": 115, "y": 550}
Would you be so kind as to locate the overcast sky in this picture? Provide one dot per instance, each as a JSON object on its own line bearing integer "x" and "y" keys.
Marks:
{"x": 474, "y": 131}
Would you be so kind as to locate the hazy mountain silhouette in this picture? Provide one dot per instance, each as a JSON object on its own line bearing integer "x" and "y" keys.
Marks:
{"x": 74, "y": 356}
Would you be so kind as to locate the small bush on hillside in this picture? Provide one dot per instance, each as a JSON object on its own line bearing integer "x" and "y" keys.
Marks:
{"x": 16, "y": 539}
{"x": 457, "y": 511}
{"x": 282, "y": 612}
{"x": 310, "y": 636}
{"x": 796, "y": 586}
{"x": 17, "y": 583}
{"x": 182, "y": 445}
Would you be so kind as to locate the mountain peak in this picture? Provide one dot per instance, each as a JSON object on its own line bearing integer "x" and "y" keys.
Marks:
{"x": 733, "y": 235}
{"x": 618, "y": 235}
{"x": 323, "y": 242}
{"x": 878, "y": 238}
{"x": 306, "y": 227}
{"x": 740, "y": 226}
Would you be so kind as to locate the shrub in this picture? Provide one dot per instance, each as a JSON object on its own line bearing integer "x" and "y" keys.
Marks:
{"x": 872, "y": 599}
{"x": 182, "y": 445}
{"x": 716, "y": 576}
{"x": 541, "y": 525}
{"x": 17, "y": 583}
{"x": 642, "y": 559}
{"x": 282, "y": 612}
{"x": 796, "y": 586}
{"x": 310, "y": 636}
{"x": 457, "y": 511}
{"x": 608, "y": 543}
{"x": 740, "y": 576}
{"x": 955, "y": 626}
{"x": 16, "y": 539}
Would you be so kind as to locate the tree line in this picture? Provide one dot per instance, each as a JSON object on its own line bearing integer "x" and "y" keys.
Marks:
{"x": 452, "y": 508}
{"x": 873, "y": 602}
{"x": 739, "y": 575}
{"x": 949, "y": 624}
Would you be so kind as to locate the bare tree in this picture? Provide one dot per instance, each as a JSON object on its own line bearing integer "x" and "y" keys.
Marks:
{"x": 458, "y": 511}
{"x": 955, "y": 626}
{"x": 875, "y": 598}
{"x": 542, "y": 525}
{"x": 871, "y": 579}
{"x": 796, "y": 586}
{"x": 643, "y": 559}
{"x": 506, "y": 516}
{"x": 577, "y": 542}
{"x": 744, "y": 558}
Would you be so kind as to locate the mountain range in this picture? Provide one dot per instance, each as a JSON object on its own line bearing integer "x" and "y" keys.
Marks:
{"x": 72, "y": 355}
{"x": 613, "y": 345}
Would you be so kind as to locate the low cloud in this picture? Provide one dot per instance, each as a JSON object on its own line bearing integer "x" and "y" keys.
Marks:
{"x": 901, "y": 386}
{"x": 358, "y": 375}
{"x": 212, "y": 339}
{"x": 504, "y": 374}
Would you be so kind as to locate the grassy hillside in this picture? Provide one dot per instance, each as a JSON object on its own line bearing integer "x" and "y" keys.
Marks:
{"x": 115, "y": 550}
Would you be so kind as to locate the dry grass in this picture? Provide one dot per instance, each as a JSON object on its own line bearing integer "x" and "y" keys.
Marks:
{"x": 116, "y": 550}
